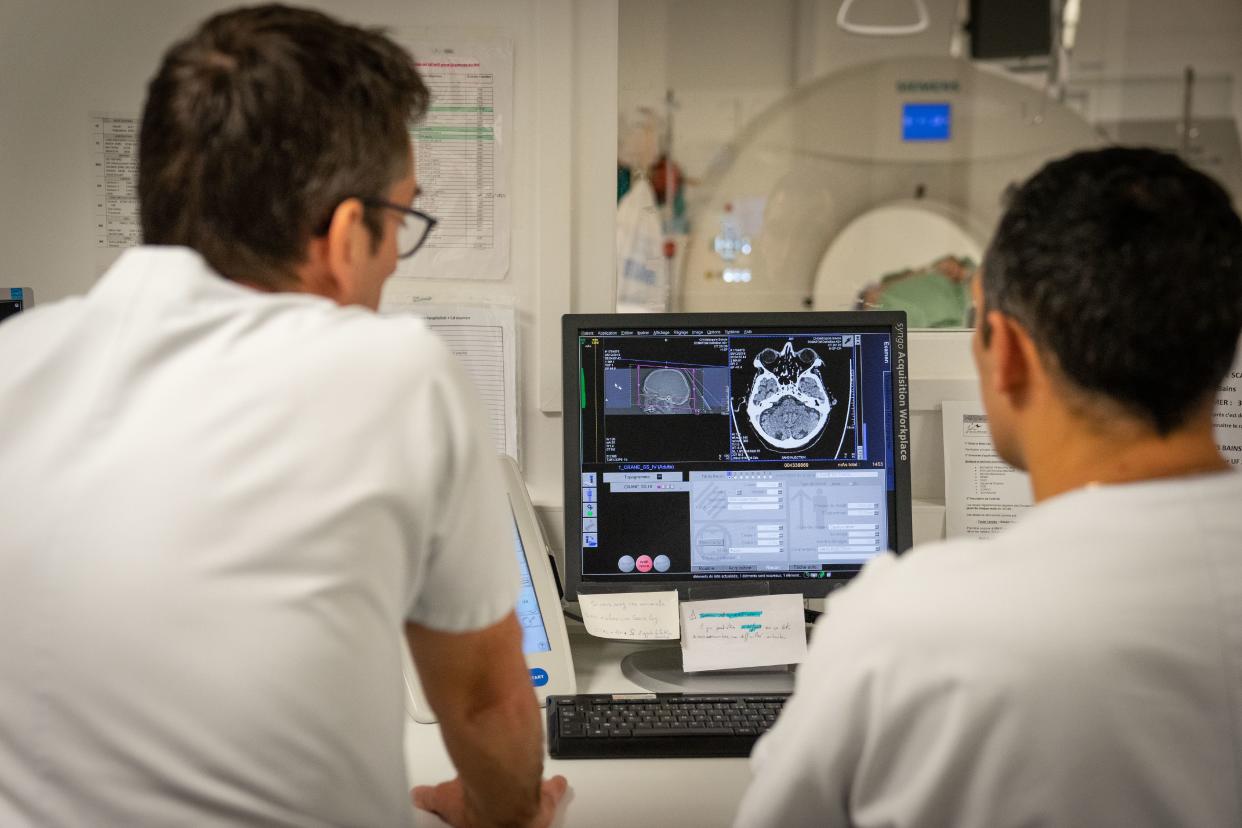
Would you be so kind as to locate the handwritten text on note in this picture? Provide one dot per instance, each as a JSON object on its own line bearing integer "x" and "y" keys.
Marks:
{"x": 742, "y": 632}
{"x": 640, "y": 616}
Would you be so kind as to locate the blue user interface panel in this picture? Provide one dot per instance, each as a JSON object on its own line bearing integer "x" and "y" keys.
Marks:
{"x": 735, "y": 453}
{"x": 926, "y": 122}
{"x": 534, "y": 634}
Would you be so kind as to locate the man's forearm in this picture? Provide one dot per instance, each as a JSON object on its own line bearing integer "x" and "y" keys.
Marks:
{"x": 498, "y": 753}
{"x": 478, "y": 685}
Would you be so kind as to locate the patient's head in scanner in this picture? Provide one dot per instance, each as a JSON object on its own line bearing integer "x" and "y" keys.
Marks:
{"x": 933, "y": 295}
{"x": 1122, "y": 269}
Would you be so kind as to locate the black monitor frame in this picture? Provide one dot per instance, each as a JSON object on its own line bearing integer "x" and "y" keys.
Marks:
{"x": 1010, "y": 29}
{"x": 900, "y": 517}
{"x": 15, "y": 300}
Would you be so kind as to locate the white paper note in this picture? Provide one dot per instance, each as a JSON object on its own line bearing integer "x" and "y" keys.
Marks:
{"x": 1227, "y": 418}
{"x": 639, "y": 616}
{"x": 742, "y": 632}
{"x": 982, "y": 493}
{"x": 484, "y": 340}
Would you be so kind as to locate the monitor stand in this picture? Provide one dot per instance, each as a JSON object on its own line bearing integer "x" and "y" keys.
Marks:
{"x": 658, "y": 669}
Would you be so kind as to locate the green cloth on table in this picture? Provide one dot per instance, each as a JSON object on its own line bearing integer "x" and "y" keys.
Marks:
{"x": 930, "y": 300}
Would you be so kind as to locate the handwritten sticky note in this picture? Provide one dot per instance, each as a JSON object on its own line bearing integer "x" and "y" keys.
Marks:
{"x": 639, "y": 616}
{"x": 742, "y": 632}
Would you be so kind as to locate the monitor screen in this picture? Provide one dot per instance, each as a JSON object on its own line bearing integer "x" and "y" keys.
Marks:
{"x": 926, "y": 121}
{"x": 1002, "y": 29}
{"x": 718, "y": 448}
{"x": 534, "y": 634}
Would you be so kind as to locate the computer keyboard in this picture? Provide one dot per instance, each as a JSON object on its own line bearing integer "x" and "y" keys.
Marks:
{"x": 658, "y": 725}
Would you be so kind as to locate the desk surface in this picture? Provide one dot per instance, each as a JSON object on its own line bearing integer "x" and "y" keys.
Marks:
{"x": 650, "y": 793}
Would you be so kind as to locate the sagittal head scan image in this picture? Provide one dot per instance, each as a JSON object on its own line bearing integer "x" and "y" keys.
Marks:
{"x": 664, "y": 390}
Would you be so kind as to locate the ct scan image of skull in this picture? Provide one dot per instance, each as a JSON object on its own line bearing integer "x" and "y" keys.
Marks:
{"x": 664, "y": 390}
{"x": 788, "y": 405}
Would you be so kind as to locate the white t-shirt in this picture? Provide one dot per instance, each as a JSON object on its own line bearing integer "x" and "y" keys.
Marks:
{"x": 1082, "y": 668}
{"x": 217, "y": 507}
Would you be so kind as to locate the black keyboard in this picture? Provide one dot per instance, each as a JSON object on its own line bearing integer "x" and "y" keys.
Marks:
{"x": 658, "y": 725}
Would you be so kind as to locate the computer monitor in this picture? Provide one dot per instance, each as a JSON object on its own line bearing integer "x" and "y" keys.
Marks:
{"x": 749, "y": 452}
{"x": 13, "y": 300}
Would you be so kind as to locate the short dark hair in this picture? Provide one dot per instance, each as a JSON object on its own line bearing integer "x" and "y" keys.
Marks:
{"x": 259, "y": 124}
{"x": 1125, "y": 266}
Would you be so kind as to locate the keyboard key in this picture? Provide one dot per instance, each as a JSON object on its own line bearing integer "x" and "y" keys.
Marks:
{"x": 683, "y": 731}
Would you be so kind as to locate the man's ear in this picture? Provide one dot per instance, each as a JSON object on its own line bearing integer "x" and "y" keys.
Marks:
{"x": 334, "y": 261}
{"x": 1013, "y": 356}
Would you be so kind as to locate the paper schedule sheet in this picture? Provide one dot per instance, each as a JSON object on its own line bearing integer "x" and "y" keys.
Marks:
{"x": 114, "y": 170}
{"x": 1227, "y": 416}
{"x": 463, "y": 151}
{"x": 982, "y": 493}
{"x": 483, "y": 340}
{"x": 732, "y": 633}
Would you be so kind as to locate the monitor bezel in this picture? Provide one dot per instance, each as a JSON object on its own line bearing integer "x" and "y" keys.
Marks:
{"x": 24, "y": 297}
{"x": 902, "y": 517}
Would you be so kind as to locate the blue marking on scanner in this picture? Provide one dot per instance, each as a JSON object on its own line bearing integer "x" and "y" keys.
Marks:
{"x": 538, "y": 676}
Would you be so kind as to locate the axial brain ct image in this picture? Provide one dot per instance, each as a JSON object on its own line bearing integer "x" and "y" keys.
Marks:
{"x": 788, "y": 404}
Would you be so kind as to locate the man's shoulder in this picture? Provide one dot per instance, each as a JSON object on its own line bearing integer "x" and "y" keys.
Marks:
{"x": 322, "y": 335}
{"x": 934, "y": 565}
{"x": 382, "y": 336}
{"x": 957, "y": 593}
{"x": 1064, "y": 573}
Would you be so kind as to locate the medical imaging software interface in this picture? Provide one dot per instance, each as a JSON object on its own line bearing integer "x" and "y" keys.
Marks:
{"x": 734, "y": 453}
{"x": 534, "y": 634}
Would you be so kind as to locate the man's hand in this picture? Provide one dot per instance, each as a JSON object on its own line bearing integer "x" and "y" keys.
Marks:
{"x": 448, "y": 801}
{"x": 479, "y": 687}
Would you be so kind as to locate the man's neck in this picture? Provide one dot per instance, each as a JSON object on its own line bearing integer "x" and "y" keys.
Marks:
{"x": 1067, "y": 454}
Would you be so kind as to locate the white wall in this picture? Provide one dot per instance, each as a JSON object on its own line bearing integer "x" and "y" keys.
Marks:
{"x": 727, "y": 61}
{"x": 61, "y": 60}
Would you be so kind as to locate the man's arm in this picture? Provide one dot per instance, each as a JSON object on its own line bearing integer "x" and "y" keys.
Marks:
{"x": 478, "y": 685}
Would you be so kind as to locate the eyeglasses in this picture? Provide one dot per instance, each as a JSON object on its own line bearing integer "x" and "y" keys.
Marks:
{"x": 414, "y": 228}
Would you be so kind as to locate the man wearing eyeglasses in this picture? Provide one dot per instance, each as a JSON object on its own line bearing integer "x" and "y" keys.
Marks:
{"x": 228, "y": 485}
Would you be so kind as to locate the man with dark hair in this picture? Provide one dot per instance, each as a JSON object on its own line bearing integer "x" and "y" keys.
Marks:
{"x": 1083, "y": 667}
{"x": 229, "y": 485}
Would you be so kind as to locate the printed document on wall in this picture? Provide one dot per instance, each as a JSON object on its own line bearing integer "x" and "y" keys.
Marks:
{"x": 484, "y": 341}
{"x": 1227, "y": 418}
{"x": 114, "y": 186}
{"x": 462, "y": 152}
{"x": 982, "y": 493}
